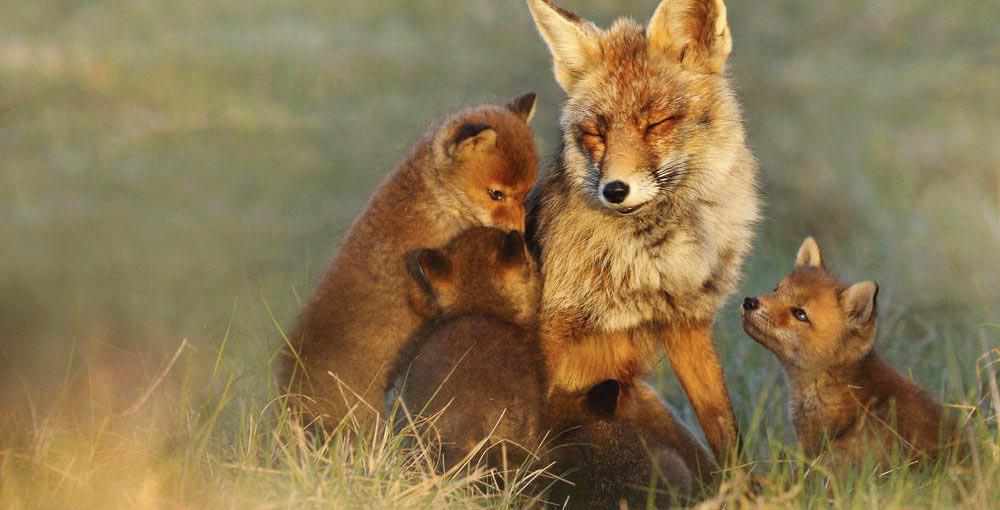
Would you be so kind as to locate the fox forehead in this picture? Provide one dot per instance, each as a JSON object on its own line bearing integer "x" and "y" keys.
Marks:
{"x": 807, "y": 284}
{"x": 629, "y": 80}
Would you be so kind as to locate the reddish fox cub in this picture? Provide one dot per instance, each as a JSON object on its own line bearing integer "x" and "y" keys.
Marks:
{"x": 474, "y": 168}
{"x": 476, "y": 360}
{"x": 477, "y": 368}
{"x": 842, "y": 393}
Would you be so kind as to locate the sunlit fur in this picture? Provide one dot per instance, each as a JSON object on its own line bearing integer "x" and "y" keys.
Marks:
{"x": 841, "y": 392}
{"x": 353, "y": 327}
{"x": 620, "y": 278}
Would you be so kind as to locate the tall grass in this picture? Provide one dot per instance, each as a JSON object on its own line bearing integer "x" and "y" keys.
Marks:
{"x": 183, "y": 170}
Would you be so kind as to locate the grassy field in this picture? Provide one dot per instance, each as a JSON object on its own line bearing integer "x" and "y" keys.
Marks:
{"x": 176, "y": 174}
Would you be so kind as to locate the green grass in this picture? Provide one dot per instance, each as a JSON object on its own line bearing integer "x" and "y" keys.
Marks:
{"x": 183, "y": 170}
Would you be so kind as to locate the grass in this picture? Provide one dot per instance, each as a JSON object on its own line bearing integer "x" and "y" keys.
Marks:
{"x": 183, "y": 170}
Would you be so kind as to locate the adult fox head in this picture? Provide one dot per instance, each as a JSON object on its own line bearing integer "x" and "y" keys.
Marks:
{"x": 650, "y": 116}
{"x": 811, "y": 321}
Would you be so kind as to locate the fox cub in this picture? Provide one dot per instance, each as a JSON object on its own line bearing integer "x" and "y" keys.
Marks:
{"x": 842, "y": 393}
{"x": 475, "y": 168}
{"x": 612, "y": 444}
{"x": 476, "y": 360}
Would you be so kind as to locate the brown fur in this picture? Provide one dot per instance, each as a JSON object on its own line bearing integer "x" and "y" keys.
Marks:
{"x": 353, "y": 327}
{"x": 477, "y": 362}
{"x": 842, "y": 393}
{"x": 651, "y": 107}
{"x": 621, "y": 442}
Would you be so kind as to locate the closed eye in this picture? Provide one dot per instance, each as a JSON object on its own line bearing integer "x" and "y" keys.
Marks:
{"x": 664, "y": 121}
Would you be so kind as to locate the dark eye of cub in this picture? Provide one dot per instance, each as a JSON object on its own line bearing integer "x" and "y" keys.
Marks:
{"x": 496, "y": 195}
{"x": 800, "y": 314}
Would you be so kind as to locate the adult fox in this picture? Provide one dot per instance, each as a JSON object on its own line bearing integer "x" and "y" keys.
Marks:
{"x": 642, "y": 223}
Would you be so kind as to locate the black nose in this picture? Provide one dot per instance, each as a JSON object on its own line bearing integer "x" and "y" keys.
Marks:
{"x": 615, "y": 192}
{"x": 751, "y": 303}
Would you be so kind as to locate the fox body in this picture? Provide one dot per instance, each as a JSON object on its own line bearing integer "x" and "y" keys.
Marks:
{"x": 476, "y": 360}
{"x": 476, "y": 366}
{"x": 474, "y": 168}
{"x": 643, "y": 222}
{"x": 612, "y": 443}
{"x": 841, "y": 391}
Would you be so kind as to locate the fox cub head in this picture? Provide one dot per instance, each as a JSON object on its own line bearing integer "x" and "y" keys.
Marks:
{"x": 481, "y": 271}
{"x": 650, "y": 116}
{"x": 486, "y": 162}
{"x": 812, "y": 321}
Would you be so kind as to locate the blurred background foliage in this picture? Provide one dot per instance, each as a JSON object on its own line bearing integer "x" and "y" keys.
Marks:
{"x": 184, "y": 169}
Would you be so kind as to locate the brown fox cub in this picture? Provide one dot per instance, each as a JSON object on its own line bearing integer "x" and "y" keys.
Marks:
{"x": 642, "y": 224}
{"x": 476, "y": 360}
{"x": 841, "y": 391}
{"x": 613, "y": 444}
{"x": 474, "y": 168}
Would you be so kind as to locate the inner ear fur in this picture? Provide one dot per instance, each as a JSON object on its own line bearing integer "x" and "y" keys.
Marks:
{"x": 809, "y": 254}
{"x": 860, "y": 302}
{"x": 572, "y": 41}
{"x": 695, "y": 33}
{"x": 462, "y": 140}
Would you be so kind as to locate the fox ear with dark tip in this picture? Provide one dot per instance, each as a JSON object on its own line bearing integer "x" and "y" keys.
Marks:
{"x": 695, "y": 33}
{"x": 524, "y": 106}
{"x": 809, "y": 254}
{"x": 464, "y": 140}
{"x": 573, "y": 42}
{"x": 430, "y": 272}
{"x": 512, "y": 251}
{"x": 602, "y": 399}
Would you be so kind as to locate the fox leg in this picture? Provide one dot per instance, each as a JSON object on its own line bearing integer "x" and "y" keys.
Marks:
{"x": 696, "y": 364}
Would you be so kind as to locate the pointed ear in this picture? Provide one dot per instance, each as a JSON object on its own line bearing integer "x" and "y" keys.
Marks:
{"x": 429, "y": 271}
{"x": 572, "y": 41}
{"x": 523, "y": 106}
{"x": 860, "y": 303}
{"x": 602, "y": 399}
{"x": 809, "y": 254}
{"x": 512, "y": 251}
{"x": 465, "y": 139}
{"x": 692, "y": 32}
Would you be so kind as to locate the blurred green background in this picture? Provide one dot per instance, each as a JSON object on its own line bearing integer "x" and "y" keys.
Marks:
{"x": 184, "y": 169}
